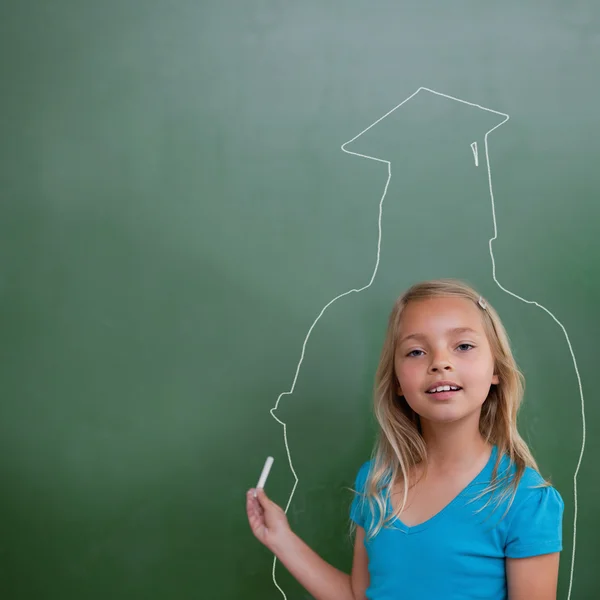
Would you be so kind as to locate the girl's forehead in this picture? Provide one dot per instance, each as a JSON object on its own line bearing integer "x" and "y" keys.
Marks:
{"x": 439, "y": 314}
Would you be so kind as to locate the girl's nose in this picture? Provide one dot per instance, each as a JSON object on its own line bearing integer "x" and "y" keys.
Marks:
{"x": 440, "y": 363}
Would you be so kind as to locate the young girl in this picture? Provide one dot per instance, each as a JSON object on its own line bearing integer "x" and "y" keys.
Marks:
{"x": 451, "y": 506}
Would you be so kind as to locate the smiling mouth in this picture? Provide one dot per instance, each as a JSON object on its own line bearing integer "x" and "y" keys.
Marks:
{"x": 445, "y": 391}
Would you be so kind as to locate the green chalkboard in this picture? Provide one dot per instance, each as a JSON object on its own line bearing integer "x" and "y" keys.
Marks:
{"x": 176, "y": 211}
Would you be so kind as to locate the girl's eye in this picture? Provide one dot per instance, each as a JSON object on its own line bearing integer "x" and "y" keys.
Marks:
{"x": 411, "y": 353}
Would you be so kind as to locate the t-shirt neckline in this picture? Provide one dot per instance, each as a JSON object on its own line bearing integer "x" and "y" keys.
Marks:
{"x": 398, "y": 524}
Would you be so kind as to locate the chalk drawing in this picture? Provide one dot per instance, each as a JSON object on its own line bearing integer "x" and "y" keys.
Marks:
{"x": 475, "y": 153}
{"x": 357, "y": 290}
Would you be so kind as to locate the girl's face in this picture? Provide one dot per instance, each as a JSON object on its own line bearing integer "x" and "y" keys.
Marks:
{"x": 442, "y": 339}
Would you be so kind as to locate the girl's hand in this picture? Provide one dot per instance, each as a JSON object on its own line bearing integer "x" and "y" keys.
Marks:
{"x": 267, "y": 520}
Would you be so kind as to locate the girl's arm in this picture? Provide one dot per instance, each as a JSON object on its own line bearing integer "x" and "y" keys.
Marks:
{"x": 532, "y": 578}
{"x": 320, "y": 579}
{"x": 360, "y": 566}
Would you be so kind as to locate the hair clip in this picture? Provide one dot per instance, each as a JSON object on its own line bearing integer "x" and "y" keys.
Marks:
{"x": 482, "y": 303}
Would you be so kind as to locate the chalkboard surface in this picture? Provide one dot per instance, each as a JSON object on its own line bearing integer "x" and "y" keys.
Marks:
{"x": 176, "y": 211}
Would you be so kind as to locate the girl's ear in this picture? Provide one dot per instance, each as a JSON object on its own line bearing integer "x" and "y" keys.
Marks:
{"x": 495, "y": 379}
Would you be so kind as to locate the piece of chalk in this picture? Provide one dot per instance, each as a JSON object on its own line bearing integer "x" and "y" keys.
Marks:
{"x": 265, "y": 473}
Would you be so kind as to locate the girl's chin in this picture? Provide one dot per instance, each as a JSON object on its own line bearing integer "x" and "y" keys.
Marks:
{"x": 447, "y": 413}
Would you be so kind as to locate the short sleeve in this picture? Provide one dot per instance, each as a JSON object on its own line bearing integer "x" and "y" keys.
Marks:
{"x": 536, "y": 524}
{"x": 359, "y": 505}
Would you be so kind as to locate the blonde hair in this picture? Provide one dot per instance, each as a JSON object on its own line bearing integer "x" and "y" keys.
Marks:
{"x": 400, "y": 445}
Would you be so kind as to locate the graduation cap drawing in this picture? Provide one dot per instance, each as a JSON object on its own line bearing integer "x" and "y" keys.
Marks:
{"x": 439, "y": 118}
{"x": 423, "y": 119}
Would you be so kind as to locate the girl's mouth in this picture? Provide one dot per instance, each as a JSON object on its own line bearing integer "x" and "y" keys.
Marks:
{"x": 445, "y": 394}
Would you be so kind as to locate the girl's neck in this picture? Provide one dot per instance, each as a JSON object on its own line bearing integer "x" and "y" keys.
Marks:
{"x": 454, "y": 449}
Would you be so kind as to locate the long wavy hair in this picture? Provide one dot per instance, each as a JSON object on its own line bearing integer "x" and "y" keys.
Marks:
{"x": 400, "y": 445}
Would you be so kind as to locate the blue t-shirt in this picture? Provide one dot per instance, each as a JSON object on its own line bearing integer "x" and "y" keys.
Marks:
{"x": 458, "y": 554}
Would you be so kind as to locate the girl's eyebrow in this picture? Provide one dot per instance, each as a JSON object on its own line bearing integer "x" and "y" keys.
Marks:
{"x": 420, "y": 336}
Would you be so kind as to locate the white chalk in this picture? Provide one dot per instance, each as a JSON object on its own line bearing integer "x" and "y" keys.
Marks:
{"x": 265, "y": 473}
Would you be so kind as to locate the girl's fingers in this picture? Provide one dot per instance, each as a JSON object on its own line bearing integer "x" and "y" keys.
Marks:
{"x": 251, "y": 498}
{"x": 256, "y": 517}
{"x": 253, "y": 508}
